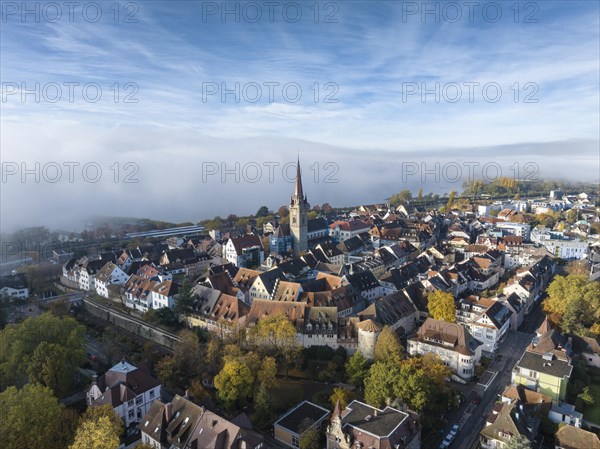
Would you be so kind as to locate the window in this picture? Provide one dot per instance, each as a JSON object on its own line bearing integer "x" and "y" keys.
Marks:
{"x": 131, "y": 414}
{"x": 151, "y": 394}
{"x": 295, "y": 441}
{"x": 138, "y": 400}
{"x": 130, "y": 403}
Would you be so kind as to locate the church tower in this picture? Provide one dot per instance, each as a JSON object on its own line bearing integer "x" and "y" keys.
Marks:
{"x": 299, "y": 215}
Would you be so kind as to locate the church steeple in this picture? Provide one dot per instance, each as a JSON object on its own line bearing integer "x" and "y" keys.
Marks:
{"x": 299, "y": 215}
{"x": 299, "y": 192}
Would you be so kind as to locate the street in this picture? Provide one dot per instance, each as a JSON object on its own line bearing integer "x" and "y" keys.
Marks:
{"x": 510, "y": 352}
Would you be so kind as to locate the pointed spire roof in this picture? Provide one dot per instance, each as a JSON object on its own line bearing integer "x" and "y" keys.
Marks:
{"x": 337, "y": 411}
{"x": 298, "y": 193}
{"x": 544, "y": 327}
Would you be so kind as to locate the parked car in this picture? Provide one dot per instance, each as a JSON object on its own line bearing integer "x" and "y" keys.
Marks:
{"x": 447, "y": 441}
{"x": 454, "y": 430}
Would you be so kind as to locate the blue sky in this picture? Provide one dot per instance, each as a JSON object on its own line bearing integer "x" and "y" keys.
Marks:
{"x": 369, "y": 55}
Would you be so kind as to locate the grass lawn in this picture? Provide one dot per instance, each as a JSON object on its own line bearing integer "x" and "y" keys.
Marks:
{"x": 592, "y": 413}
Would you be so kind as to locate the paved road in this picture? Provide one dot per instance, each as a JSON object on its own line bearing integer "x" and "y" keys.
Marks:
{"x": 510, "y": 352}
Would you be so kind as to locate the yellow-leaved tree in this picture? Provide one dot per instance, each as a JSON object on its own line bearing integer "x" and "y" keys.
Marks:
{"x": 100, "y": 428}
{"x": 441, "y": 306}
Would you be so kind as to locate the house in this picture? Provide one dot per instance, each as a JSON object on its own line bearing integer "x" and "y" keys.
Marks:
{"x": 565, "y": 413}
{"x": 110, "y": 274}
{"x": 452, "y": 342}
{"x": 366, "y": 283}
{"x": 130, "y": 390}
{"x": 264, "y": 284}
{"x": 164, "y": 294}
{"x": 289, "y": 428}
{"x": 15, "y": 286}
{"x": 486, "y": 319}
{"x": 527, "y": 397}
{"x": 569, "y": 437}
{"x": 87, "y": 272}
{"x": 514, "y": 304}
{"x": 183, "y": 424}
{"x": 517, "y": 229}
{"x": 506, "y": 421}
{"x": 394, "y": 310}
{"x": 342, "y": 230}
{"x": 361, "y": 426}
{"x": 244, "y": 251}
{"x": 544, "y": 373}
{"x": 138, "y": 291}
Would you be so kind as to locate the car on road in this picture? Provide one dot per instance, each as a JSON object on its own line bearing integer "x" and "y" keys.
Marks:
{"x": 447, "y": 441}
{"x": 476, "y": 399}
{"x": 454, "y": 430}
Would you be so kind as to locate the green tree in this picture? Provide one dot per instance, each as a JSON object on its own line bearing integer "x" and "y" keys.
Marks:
{"x": 262, "y": 405}
{"x": 263, "y": 211}
{"x": 441, "y": 306}
{"x": 402, "y": 197}
{"x": 388, "y": 347}
{"x": 49, "y": 366}
{"x": 100, "y": 428}
{"x": 380, "y": 383}
{"x": 185, "y": 300}
{"x": 18, "y": 344}
{"x": 310, "y": 435}
{"x": 414, "y": 387}
{"x": 31, "y": 418}
{"x": 357, "y": 369}
{"x": 518, "y": 442}
{"x": 234, "y": 383}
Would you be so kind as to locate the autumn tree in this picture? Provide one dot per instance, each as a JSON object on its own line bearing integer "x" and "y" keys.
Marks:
{"x": 234, "y": 383}
{"x": 268, "y": 372}
{"x": 49, "y": 366}
{"x": 450, "y": 202}
{"x": 576, "y": 300}
{"x": 380, "y": 382}
{"x": 388, "y": 347}
{"x": 343, "y": 395}
{"x": 441, "y": 306}
{"x": 31, "y": 418}
{"x": 357, "y": 369}
{"x": 100, "y": 428}
{"x": 518, "y": 442}
{"x": 578, "y": 268}
{"x": 402, "y": 197}
{"x": 275, "y": 333}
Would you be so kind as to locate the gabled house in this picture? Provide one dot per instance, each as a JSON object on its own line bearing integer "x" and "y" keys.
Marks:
{"x": 244, "y": 251}
{"x": 487, "y": 320}
{"x": 395, "y": 311}
{"x": 14, "y": 286}
{"x": 181, "y": 424}
{"x": 366, "y": 283}
{"x": 507, "y": 421}
{"x": 110, "y": 274}
{"x": 569, "y": 437}
{"x": 130, "y": 390}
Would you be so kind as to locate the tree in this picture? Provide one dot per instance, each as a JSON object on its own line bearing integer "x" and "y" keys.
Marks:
{"x": 31, "y": 418}
{"x": 100, "y": 428}
{"x": 49, "y": 367}
{"x": 441, "y": 306}
{"x": 18, "y": 344}
{"x": 262, "y": 406}
{"x": 275, "y": 333}
{"x": 388, "y": 347}
{"x": 283, "y": 211}
{"x": 450, "y": 202}
{"x": 414, "y": 387}
{"x": 343, "y": 395}
{"x": 310, "y": 435}
{"x": 234, "y": 383}
{"x": 268, "y": 372}
{"x": 576, "y": 300}
{"x": 518, "y": 442}
{"x": 379, "y": 384}
{"x": 420, "y": 196}
{"x": 402, "y": 197}
{"x": 357, "y": 368}
{"x": 263, "y": 211}
{"x": 586, "y": 397}
{"x": 185, "y": 301}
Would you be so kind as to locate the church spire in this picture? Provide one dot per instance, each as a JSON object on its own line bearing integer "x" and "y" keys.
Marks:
{"x": 299, "y": 192}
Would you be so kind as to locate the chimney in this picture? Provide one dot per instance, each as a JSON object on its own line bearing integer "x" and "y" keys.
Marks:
{"x": 186, "y": 395}
{"x": 168, "y": 412}
{"x": 95, "y": 379}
